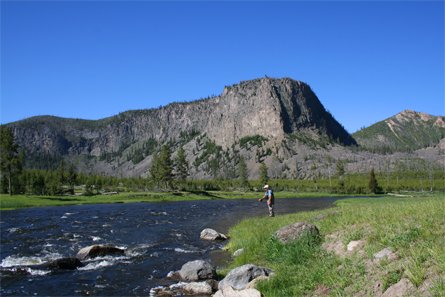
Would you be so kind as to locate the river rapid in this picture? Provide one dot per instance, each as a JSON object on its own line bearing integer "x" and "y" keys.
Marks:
{"x": 157, "y": 238}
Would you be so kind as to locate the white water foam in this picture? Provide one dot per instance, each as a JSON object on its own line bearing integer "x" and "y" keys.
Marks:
{"x": 37, "y": 272}
{"x": 179, "y": 250}
{"x": 182, "y": 251}
{"x": 105, "y": 261}
{"x": 30, "y": 271}
{"x": 160, "y": 213}
{"x": 96, "y": 265}
{"x": 13, "y": 261}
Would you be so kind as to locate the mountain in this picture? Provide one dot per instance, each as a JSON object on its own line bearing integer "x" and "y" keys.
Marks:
{"x": 263, "y": 120}
{"x": 406, "y": 131}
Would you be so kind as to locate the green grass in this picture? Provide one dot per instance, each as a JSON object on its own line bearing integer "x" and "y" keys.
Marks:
{"x": 22, "y": 201}
{"x": 414, "y": 228}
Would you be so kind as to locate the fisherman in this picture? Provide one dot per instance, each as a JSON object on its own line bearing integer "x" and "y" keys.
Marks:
{"x": 268, "y": 194}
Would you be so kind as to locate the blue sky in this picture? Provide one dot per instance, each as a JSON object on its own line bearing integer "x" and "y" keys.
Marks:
{"x": 366, "y": 61}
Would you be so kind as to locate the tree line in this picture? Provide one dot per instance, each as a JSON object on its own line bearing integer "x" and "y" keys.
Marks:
{"x": 167, "y": 173}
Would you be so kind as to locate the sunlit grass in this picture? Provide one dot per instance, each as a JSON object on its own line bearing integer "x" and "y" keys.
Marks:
{"x": 20, "y": 201}
{"x": 414, "y": 228}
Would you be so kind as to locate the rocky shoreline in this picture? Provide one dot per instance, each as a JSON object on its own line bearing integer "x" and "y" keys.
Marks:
{"x": 199, "y": 278}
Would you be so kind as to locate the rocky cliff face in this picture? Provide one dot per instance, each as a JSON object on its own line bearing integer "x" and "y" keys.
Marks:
{"x": 255, "y": 118}
{"x": 272, "y": 108}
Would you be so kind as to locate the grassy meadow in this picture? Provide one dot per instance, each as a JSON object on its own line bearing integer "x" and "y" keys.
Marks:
{"x": 21, "y": 201}
{"x": 413, "y": 227}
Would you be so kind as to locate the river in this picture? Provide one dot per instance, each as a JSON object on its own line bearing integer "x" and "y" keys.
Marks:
{"x": 157, "y": 237}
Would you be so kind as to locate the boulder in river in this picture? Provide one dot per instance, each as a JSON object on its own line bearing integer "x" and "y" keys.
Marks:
{"x": 197, "y": 270}
{"x": 210, "y": 234}
{"x": 240, "y": 277}
{"x": 297, "y": 231}
{"x": 70, "y": 263}
{"x": 94, "y": 251}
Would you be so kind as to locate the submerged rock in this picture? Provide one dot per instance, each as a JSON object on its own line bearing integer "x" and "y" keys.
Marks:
{"x": 69, "y": 263}
{"x": 240, "y": 277}
{"x": 64, "y": 263}
{"x": 210, "y": 234}
{"x": 296, "y": 231}
{"x": 197, "y": 270}
{"x": 98, "y": 251}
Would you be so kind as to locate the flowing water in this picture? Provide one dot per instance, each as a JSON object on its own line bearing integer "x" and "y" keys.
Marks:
{"x": 157, "y": 238}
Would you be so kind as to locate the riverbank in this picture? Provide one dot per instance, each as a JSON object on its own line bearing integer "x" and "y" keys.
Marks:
{"x": 23, "y": 201}
{"x": 157, "y": 238}
{"x": 413, "y": 228}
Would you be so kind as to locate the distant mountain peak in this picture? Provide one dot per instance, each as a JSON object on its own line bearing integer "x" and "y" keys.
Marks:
{"x": 407, "y": 130}
{"x": 408, "y": 114}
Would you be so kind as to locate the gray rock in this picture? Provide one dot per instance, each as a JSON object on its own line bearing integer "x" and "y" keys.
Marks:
{"x": 197, "y": 270}
{"x": 385, "y": 253}
{"x": 183, "y": 289}
{"x": 94, "y": 251}
{"x": 240, "y": 277}
{"x": 193, "y": 288}
{"x": 161, "y": 291}
{"x": 402, "y": 288}
{"x": 174, "y": 275}
{"x": 230, "y": 292}
{"x": 296, "y": 231}
{"x": 210, "y": 234}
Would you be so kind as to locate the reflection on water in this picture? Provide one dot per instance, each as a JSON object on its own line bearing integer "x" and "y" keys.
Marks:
{"x": 157, "y": 238}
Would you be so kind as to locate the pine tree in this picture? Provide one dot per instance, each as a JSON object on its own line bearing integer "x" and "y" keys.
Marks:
{"x": 373, "y": 185}
{"x": 340, "y": 167}
{"x": 10, "y": 159}
{"x": 242, "y": 173}
{"x": 264, "y": 178}
{"x": 71, "y": 178}
{"x": 161, "y": 170}
{"x": 182, "y": 165}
